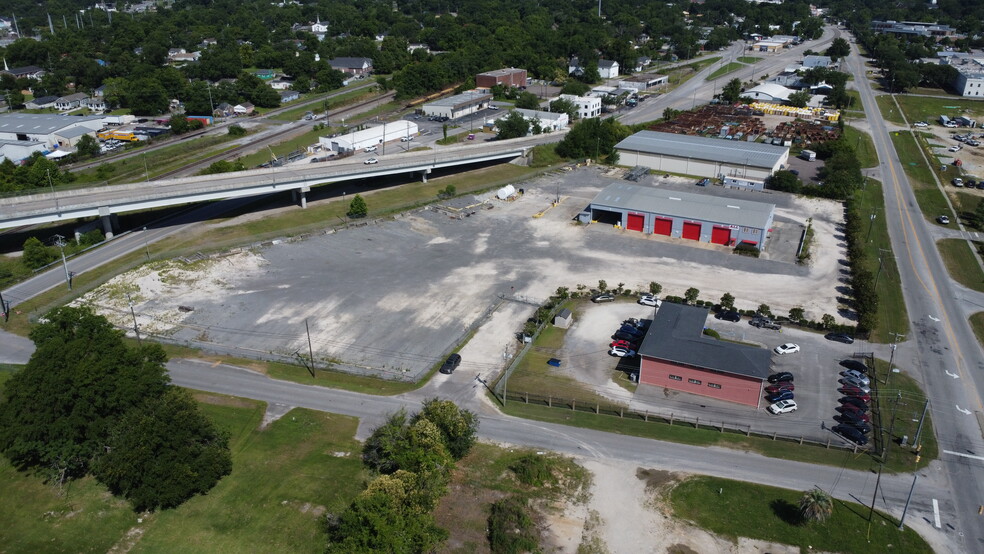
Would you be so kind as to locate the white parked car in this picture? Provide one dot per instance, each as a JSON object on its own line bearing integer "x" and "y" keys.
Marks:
{"x": 621, "y": 352}
{"x": 788, "y": 348}
{"x": 406, "y": 139}
{"x": 921, "y": 124}
{"x": 371, "y": 161}
{"x": 650, "y": 300}
{"x": 370, "y": 149}
{"x": 783, "y": 407}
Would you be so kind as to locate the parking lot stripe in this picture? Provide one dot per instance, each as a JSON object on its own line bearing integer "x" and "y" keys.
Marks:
{"x": 936, "y": 513}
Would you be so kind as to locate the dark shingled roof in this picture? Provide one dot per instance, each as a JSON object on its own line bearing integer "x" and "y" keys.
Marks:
{"x": 676, "y": 335}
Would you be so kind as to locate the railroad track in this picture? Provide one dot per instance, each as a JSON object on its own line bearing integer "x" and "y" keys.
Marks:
{"x": 227, "y": 154}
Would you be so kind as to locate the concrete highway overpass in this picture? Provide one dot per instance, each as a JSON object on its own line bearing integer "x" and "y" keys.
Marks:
{"x": 68, "y": 205}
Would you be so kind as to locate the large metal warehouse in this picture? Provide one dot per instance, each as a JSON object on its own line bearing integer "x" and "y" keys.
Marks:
{"x": 675, "y": 354}
{"x": 458, "y": 105}
{"x": 701, "y": 156}
{"x": 371, "y": 136}
{"x": 700, "y": 217}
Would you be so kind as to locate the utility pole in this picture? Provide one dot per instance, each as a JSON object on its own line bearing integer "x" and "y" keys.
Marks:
{"x": 146, "y": 244}
{"x": 891, "y": 427}
{"x": 871, "y": 224}
{"x": 136, "y": 329}
{"x": 4, "y": 308}
{"x": 919, "y": 428}
{"x": 52, "y": 187}
{"x": 874, "y": 497}
{"x": 881, "y": 253}
{"x": 60, "y": 243}
{"x": 310, "y": 348}
{"x": 907, "y": 499}
{"x": 891, "y": 359}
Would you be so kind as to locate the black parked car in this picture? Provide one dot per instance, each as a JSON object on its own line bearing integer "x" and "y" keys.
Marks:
{"x": 622, "y": 335}
{"x": 780, "y": 377}
{"x": 860, "y": 426}
{"x": 451, "y": 364}
{"x": 851, "y": 433}
{"x": 839, "y": 337}
{"x": 730, "y": 315}
{"x": 631, "y": 330}
{"x": 854, "y": 401}
{"x": 856, "y": 365}
{"x": 849, "y": 418}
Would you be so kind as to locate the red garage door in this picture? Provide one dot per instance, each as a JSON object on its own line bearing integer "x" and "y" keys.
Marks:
{"x": 721, "y": 235}
{"x": 662, "y": 226}
{"x": 691, "y": 231}
{"x": 636, "y": 222}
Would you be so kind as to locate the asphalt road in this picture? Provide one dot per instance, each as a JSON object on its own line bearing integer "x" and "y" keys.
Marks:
{"x": 495, "y": 427}
{"x": 939, "y": 344}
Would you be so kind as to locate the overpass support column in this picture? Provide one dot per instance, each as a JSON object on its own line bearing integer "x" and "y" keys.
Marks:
{"x": 424, "y": 174}
{"x": 107, "y": 221}
{"x": 300, "y": 196}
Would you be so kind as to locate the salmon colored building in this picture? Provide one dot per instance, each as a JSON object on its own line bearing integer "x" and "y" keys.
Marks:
{"x": 675, "y": 354}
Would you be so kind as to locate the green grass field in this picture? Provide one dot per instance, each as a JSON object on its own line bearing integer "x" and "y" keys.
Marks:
{"x": 724, "y": 70}
{"x": 961, "y": 263}
{"x": 892, "y": 314}
{"x": 863, "y": 145}
{"x": 749, "y": 59}
{"x": 888, "y": 110}
{"x": 738, "y": 509}
{"x": 931, "y": 200}
{"x": 284, "y": 478}
{"x": 920, "y": 108}
{"x": 977, "y": 324}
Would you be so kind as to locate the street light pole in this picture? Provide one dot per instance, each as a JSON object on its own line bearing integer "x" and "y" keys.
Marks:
{"x": 136, "y": 330}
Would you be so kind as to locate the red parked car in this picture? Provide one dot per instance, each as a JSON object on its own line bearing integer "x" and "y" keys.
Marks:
{"x": 623, "y": 344}
{"x": 854, "y": 412}
{"x": 772, "y": 389}
{"x": 851, "y": 391}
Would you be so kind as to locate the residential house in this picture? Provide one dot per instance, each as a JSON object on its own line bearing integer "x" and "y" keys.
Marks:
{"x": 41, "y": 103}
{"x": 70, "y": 102}
{"x": 206, "y": 42}
{"x": 289, "y": 96}
{"x": 574, "y": 67}
{"x": 417, "y": 46}
{"x": 95, "y": 103}
{"x": 319, "y": 28}
{"x": 27, "y": 72}
{"x": 642, "y": 62}
{"x": 243, "y": 109}
{"x": 280, "y": 84}
{"x": 100, "y": 91}
{"x": 223, "y": 110}
{"x": 607, "y": 69}
{"x": 352, "y": 66}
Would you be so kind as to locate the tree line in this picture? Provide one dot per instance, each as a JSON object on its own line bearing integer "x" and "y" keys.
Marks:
{"x": 87, "y": 403}
{"x": 129, "y": 52}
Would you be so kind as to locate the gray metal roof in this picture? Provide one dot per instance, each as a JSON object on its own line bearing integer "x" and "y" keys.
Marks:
{"x": 753, "y": 154}
{"x": 463, "y": 99}
{"x": 73, "y": 132}
{"x": 687, "y": 205}
{"x": 40, "y": 123}
{"x": 676, "y": 335}
{"x": 503, "y": 72}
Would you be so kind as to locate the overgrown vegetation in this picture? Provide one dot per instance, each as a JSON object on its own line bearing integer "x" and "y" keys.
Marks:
{"x": 108, "y": 412}
{"x": 413, "y": 458}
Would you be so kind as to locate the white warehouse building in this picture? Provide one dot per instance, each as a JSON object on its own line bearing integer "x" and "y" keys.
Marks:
{"x": 458, "y": 105}
{"x": 53, "y": 130}
{"x": 372, "y": 136}
{"x": 549, "y": 121}
{"x": 970, "y": 82}
{"x": 702, "y": 156}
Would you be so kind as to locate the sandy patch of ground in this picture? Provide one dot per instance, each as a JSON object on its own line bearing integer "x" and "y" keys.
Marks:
{"x": 626, "y": 513}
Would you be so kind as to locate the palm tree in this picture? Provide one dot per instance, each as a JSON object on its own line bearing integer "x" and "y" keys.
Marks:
{"x": 816, "y": 505}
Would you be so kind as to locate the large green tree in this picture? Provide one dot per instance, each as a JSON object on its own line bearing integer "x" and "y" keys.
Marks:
{"x": 163, "y": 452}
{"x": 458, "y": 427}
{"x": 513, "y": 125}
{"x": 58, "y": 410}
{"x": 731, "y": 91}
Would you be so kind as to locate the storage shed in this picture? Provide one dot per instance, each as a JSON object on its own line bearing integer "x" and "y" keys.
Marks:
{"x": 563, "y": 319}
{"x": 675, "y": 354}
{"x": 702, "y": 156}
{"x": 700, "y": 217}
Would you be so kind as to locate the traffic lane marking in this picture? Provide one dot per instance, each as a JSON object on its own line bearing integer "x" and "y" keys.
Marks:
{"x": 936, "y": 514}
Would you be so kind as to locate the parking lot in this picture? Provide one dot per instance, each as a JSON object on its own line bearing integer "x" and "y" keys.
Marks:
{"x": 394, "y": 296}
{"x": 816, "y": 369}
